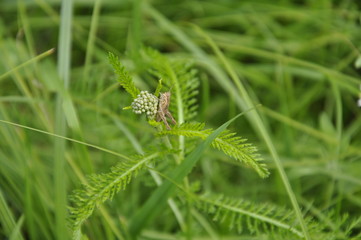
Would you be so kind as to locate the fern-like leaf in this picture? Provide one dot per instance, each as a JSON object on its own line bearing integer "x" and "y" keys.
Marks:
{"x": 227, "y": 142}
{"x": 242, "y": 214}
{"x": 188, "y": 83}
{"x": 123, "y": 76}
{"x": 159, "y": 87}
{"x": 178, "y": 76}
{"x": 102, "y": 187}
{"x": 277, "y": 222}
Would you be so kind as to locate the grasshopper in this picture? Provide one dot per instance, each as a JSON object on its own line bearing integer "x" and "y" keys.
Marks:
{"x": 163, "y": 111}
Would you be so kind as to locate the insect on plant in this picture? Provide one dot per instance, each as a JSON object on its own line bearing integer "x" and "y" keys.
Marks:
{"x": 163, "y": 111}
{"x": 237, "y": 212}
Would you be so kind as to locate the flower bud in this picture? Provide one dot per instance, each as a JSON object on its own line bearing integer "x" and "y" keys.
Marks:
{"x": 145, "y": 103}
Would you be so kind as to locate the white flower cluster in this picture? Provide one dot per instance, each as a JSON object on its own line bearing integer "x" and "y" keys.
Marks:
{"x": 145, "y": 103}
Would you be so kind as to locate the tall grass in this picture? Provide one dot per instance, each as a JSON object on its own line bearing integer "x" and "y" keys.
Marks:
{"x": 61, "y": 117}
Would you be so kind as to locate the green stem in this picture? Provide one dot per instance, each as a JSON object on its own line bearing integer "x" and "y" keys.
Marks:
{"x": 263, "y": 131}
{"x": 181, "y": 140}
{"x": 244, "y": 104}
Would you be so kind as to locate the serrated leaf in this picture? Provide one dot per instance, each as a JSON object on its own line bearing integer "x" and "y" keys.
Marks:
{"x": 179, "y": 77}
{"x": 123, "y": 76}
{"x": 159, "y": 197}
{"x": 256, "y": 217}
{"x": 227, "y": 142}
{"x": 102, "y": 187}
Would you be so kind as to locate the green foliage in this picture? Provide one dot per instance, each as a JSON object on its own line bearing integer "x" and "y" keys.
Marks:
{"x": 276, "y": 221}
{"x": 227, "y": 142}
{"x": 180, "y": 77}
{"x": 102, "y": 187}
{"x": 123, "y": 76}
{"x": 159, "y": 88}
{"x": 156, "y": 202}
{"x": 188, "y": 84}
{"x": 299, "y": 59}
{"x": 249, "y": 216}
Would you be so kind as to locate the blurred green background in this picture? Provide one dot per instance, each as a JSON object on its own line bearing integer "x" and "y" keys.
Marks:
{"x": 299, "y": 59}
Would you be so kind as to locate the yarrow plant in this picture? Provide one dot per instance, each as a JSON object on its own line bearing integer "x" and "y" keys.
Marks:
{"x": 145, "y": 103}
{"x": 159, "y": 108}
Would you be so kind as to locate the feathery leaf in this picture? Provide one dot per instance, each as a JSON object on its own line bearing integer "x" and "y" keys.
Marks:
{"x": 178, "y": 76}
{"x": 123, "y": 76}
{"x": 276, "y": 221}
{"x": 102, "y": 187}
{"x": 255, "y": 217}
{"x": 227, "y": 142}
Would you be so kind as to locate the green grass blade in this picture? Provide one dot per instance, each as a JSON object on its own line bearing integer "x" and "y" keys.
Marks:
{"x": 91, "y": 41}
{"x": 156, "y": 202}
{"x": 7, "y": 220}
{"x": 60, "y": 123}
{"x": 30, "y": 61}
{"x": 16, "y": 233}
{"x": 263, "y": 131}
{"x": 136, "y": 31}
{"x": 244, "y": 103}
{"x": 172, "y": 204}
{"x": 68, "y": 139}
